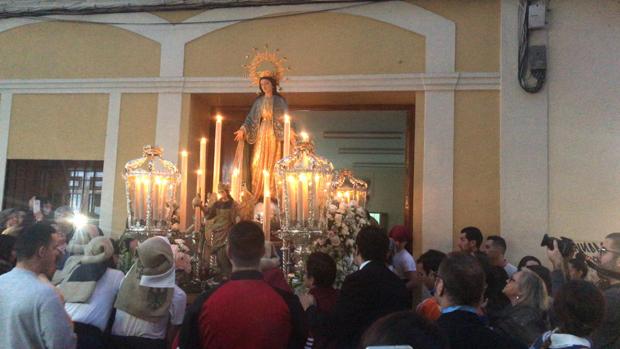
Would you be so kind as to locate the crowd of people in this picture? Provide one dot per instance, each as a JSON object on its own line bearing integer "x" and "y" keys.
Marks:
{"x": 61, "y": 288}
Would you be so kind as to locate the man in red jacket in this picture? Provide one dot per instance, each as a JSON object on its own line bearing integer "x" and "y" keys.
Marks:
{"x": 244, "y": 312}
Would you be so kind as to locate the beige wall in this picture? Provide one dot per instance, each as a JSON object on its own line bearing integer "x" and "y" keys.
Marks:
{"x": 478, "y": 37}
{"x": 584, "y": 123}
{"x": 418, "y": 166}
{"x": 136, "y": 128}
{"x": 476, "y": 161}
{"x": 315, "y": 44}
{"x": 56, "y": 50}
{"x": 58, "y": 127}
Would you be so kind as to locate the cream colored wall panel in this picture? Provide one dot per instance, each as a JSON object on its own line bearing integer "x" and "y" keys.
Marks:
{"x": 57, "y": 50}
{"x": 477, "y": 31}
{"x": 584, "y": 122}
{"x": 315, "y": 44}
{"x": 418, "y": 167}
{"x": 62, "y": 127}
{"x": 137, "y": 128}
{"x": 476, "y": 162}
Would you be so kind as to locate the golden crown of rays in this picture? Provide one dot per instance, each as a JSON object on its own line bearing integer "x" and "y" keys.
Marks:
{"x": 255, "y": 68}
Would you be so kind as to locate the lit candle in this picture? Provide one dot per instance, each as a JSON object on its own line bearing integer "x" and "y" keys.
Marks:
{"x": 148, "y": 203}
{"x": 304, "y": 136}
{"x": 266, "y": 206}
{"x": 183, "y": 208}
{"x": 287, "y": 135}
{"x": 292, "y": 200}
{"x": 217, "y": 154}
{"x": 200, "y": 187}
{"x": 303, "y": 184}
{"x": 138, "y": 205}
{"x": 197, "y": 210}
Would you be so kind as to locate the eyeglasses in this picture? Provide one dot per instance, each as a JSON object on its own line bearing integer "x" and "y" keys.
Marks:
{"x": 604, "y": 250}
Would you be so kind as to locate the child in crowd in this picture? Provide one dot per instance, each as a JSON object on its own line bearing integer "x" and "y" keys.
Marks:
{"x": 319, "y": 279}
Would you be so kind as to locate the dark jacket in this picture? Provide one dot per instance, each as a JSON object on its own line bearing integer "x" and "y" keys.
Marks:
{"x": 465, "y": 330}
{"x": 523, "y": 323}
{"x": 366, "y": 295}
{"x": 607, "y": 336}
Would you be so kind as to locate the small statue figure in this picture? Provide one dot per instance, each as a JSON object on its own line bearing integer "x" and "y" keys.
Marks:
{"x": 220, "y": 215}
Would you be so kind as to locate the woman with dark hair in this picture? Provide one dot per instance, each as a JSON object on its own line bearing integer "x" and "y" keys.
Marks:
{"x": 7, "y": 253}
{"x": 579, "y": 308}
{"x": 264, "y": 129}
{"x": 577, "y": 269}
{"x": 494, "y": 300}
{"x": 23, "y": 219}
{"x": 404, "y": 328}
{"x": 526, "y": 318}
{"x": 528, "y": 261}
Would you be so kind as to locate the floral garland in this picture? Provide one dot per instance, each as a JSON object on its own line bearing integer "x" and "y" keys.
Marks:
{"x": 343, "y": 223}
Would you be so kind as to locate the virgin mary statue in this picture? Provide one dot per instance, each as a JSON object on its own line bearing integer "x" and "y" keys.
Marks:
{"x": 264, "y": 129}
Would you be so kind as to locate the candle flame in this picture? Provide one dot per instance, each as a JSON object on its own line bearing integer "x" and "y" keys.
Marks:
{"x": 199, "y": 172}
{"x": 267, "y": 193}
{"x": 304, "y": 136}
{"x": 203, "y": 140}
{"x": 287, "y": 118}
{"x": 218, "y": 118}
{"x": 265, "y": 173}
{"x": 184, "y": 153}
{"x": 235, "y": 172}
{"x": 317, "y": 178}
{"x": 290, "y": 178}
{"x": 302, "y": 177}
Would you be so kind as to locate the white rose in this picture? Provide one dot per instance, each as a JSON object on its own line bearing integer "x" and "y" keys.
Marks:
{"x": 344, "y": 231}
{"x": 338, "y": 219}
{"x": 350, "y": 242}
{"x": 332, "y": 208}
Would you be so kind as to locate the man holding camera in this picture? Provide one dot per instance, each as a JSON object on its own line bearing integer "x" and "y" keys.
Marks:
{"x": 607, "y": 336}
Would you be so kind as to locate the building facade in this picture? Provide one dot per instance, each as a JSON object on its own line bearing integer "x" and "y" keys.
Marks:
{"x": 486, "y": 153}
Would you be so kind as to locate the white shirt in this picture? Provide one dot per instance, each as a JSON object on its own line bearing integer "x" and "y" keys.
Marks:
{"x": 510, "y": 269}
{"x": 403, "y": 263}
{"x": 363, "y": 265}
{"x": 131, "y": 326}
{"x": 99, "y": 307}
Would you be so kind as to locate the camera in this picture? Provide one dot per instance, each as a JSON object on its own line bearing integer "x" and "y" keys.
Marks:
{"x": 566, "y": 245}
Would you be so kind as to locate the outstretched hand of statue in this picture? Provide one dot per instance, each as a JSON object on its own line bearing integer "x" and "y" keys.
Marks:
{"x": 239, "y": 135}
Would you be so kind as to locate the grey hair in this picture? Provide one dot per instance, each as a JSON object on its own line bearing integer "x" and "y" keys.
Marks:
{"x": 62, "y": 211}
{"x": 533, "y": 290}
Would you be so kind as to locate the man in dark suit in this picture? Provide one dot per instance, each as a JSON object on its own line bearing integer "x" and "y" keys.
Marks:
{"x": 366, "y": 295}
{"x": 459, "y": 288}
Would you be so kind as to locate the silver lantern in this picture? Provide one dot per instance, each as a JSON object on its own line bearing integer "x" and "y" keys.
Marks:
{"x": 304, "y": 185}
{"x": 349, "y": 189}
{"x": 150, "y": 185}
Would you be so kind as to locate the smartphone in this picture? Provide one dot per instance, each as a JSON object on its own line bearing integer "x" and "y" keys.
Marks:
{"x": 36, "y": 206}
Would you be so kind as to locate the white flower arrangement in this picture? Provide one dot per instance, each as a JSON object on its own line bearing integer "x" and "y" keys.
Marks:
{"x": 343, "y": 223}
{"x": 182, "y": 260}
